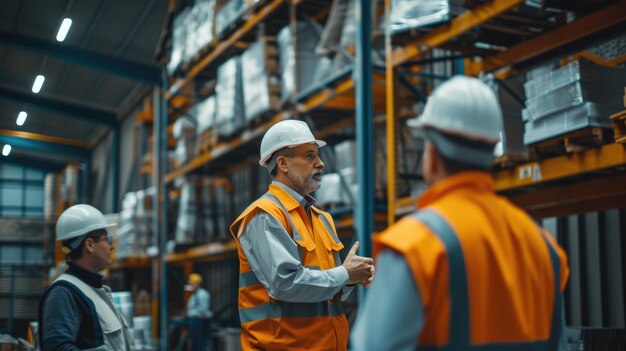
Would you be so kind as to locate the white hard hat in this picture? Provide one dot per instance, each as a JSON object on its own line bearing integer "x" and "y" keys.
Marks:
{"x": 79, "y": 220}
{"x": 463, "y": 106}
{"x": 288, "y": 133}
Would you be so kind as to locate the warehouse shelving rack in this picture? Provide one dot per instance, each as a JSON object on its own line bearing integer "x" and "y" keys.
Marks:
{"x": 554, "y": 41}
{"x": 544, "y": 187}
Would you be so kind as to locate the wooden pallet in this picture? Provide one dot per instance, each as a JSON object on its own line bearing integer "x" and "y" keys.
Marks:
{"x": 508, "y": 161}
{"x": 207, "y": 141}
{"x": 575, "y": 141}
{"x": 618, "y": 121}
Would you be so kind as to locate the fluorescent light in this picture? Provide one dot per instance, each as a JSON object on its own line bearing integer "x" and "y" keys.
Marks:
{"x": 6, "y": 150}
{"x": 65, "y": 27}
{"x": 21, "y": 118}
{"x": 38, "y": 83}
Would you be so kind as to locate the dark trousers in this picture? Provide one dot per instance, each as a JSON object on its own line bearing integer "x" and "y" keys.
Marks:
{"x": 199, "y": 334}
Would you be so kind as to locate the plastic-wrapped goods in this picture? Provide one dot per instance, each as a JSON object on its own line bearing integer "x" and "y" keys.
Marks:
{"x": 126, "y": 232}
{"x": 224, "y": 211}
{"x": 410, "y": 14}
{"x": 179, "y": 41}
{"x": 332, "y": 34}
{"x": 345, "y": 154}
{"x": 142, "y": 328}
{"x": 576, "y": 71}
{"x": 204, "y": 25}
{"x": 572, "y": 95}
{"x": 333, "y": 192}
{"x": 260, "y": 78}
{"x": 205, "y": 118}
{"x": 298, "y": 61}
{"x": 207, "y": 211}
{"x": 511, "y": 142}
{"x": 143, "y": 219}
{"x": 184, "y": 127}
{"x": 184, "y": 132}
{"x": 329, "y": 192}
{"x": 587, "y": 115}
{"x": 229, "y": 117}
{"x": 205, "y": 114}
{"x": 228, "y": 14}
{"x": 187, "y": 221}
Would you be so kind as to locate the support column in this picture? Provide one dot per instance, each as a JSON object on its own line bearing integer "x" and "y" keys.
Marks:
{"x": 364, "y": 212}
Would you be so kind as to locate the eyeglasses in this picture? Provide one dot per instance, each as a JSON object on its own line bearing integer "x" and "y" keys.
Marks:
{"x": 108, "y": 237}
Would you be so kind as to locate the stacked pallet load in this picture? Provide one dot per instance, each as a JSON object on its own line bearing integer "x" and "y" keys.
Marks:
{"x": 229, "y": 116}
{"x": 261, "y": 80}
{"x": 299, "y": 64}
{"x": 205, "y": 131}
{"x": 184, "y": 133}
{"x": 568, "y": 109}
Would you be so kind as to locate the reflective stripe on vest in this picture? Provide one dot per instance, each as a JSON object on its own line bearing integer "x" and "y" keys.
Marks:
{"x": 459, "y": 334}
{"x": 281, "y": 309}
{"x": 247, "y": 279}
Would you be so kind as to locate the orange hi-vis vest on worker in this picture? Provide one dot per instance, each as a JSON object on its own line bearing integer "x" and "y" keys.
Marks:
{"x": 269, "y": 324}
{"x": 488, "y": 277}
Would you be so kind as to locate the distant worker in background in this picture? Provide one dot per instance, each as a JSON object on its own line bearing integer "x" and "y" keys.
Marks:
{"x": 77, "y": 311}
{"x": 468, "y": 269}
{"x": 291, "y": 279}
{"x": 198, "y": 313}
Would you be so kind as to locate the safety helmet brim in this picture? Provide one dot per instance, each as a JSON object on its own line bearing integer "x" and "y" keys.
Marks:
{"x": 87, "y": 230}
{"x": 263, "y": 161}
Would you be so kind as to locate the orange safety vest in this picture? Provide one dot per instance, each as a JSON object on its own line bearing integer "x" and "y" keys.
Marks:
{"x": 488, "y": 277}
{"x": 269, "y": 324}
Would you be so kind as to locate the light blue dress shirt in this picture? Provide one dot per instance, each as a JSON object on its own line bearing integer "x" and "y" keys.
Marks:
{"x": 274, "y": 259}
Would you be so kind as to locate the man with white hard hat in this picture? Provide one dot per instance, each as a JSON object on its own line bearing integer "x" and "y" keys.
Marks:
{"x": 468, "y": 269}
{"x": 291, "y": 279}
{"x": 77, "y": 311}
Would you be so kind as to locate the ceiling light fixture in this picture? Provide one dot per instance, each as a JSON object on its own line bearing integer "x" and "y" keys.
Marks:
{"x": 6, "y": 150}
{"x": 21, "y": 118}
{"x": 38, "y": 83}
{"x": 65, "y": 27}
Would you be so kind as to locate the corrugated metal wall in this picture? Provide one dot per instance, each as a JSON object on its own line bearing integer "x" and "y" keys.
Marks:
{"x": 597, "y": 256}
{"x": 20, "y": 289}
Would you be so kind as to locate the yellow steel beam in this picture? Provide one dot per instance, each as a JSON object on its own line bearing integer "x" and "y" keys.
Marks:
{"x": 327, "y": 95}
{"x": 598, "y": 194}
{"x": 42, "y": 137}
{"x": 221, "y": 48}
{"x": 456, "y": 27}
{"x": 132, "y": 261}
{"x": 203, "y": 252}
{"x": 390, "y": 93}
{"x": 607, "y": 156}
{"x": 602, "y": 19}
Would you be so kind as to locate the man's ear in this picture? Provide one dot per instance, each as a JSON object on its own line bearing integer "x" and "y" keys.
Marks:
{"x": 282, "y": 162}
{"x": 89, "y": 244}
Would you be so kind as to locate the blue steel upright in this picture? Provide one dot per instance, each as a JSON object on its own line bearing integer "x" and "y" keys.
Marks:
{"x": 362, "y": 75}
{"x": 160, "y": 200}
{"x": 115, "y": 155}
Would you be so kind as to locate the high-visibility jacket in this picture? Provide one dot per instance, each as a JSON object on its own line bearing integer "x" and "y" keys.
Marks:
{"x": 487, "y": 275}
{"x": 269, "y": 324}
